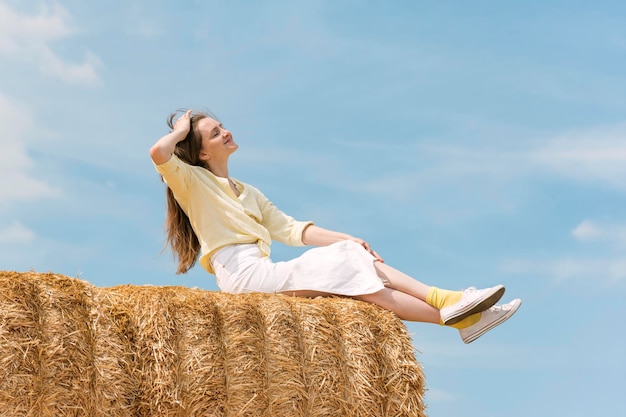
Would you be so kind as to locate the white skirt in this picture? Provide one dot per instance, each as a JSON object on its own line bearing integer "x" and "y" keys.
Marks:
{"x": 343, "y": 268}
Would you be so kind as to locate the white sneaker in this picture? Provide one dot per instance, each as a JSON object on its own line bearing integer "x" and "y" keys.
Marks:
{"x": 472, "y": 301}
{"x": 489, "y": 319}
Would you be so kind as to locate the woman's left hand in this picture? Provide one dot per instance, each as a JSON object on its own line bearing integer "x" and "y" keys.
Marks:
{"x": 367, "y": 248}
{"x": 317, "y": 236}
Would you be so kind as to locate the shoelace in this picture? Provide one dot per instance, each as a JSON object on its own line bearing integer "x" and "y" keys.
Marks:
{"x": 467, "y": 291}
{"x": 495, "y": 308}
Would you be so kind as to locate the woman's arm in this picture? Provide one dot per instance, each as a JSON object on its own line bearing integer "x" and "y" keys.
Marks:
{"x": 318, "y": 236}
{"x": 162, "y": 150}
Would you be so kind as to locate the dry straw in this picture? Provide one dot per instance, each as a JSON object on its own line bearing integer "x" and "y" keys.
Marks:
{"x": 68, "y": 348}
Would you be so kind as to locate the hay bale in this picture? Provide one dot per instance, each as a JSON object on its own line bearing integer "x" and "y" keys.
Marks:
{"x": 68, "y": 348}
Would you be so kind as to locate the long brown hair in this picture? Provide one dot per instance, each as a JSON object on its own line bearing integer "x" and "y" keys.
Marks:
{"x": 180, "y": 235}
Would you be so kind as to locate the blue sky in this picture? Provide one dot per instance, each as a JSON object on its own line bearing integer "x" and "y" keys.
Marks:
{"x": 471, "y": 143}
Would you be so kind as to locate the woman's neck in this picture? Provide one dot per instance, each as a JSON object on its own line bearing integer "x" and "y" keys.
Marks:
{"x": 219, "y": 170}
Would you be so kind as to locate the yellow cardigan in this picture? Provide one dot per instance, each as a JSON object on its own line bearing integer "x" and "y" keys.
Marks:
{"x": 220, "y": 218}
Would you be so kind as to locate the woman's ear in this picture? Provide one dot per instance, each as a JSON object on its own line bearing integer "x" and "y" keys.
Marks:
{"x": 203, "y": 156}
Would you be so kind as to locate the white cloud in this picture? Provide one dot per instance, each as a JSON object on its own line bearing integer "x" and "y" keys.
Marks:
{"x": 52, "y": 65}
{"x": 594, "y": 231}
{"x": 16, "y": 234}
{"x": 18, "y": 31}
{"x": 17, "y": 182}
{"x": 28, "y": 38}
{"x": 454, "y": 183}
{"x": 609, "y": 271}
{"x": 592, "y": 155}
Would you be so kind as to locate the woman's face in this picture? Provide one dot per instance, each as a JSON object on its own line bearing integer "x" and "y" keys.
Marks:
{"x": 217, "y": 142}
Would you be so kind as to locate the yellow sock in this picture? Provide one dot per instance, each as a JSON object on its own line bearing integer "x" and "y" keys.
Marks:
{"x": 439, "y": 298}
{"x": 466, "y": 322}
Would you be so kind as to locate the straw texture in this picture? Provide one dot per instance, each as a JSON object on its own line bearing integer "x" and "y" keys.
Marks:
{"x": 68, "y": 348}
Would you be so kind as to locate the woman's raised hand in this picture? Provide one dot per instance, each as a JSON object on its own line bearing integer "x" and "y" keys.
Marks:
{"x": 183, "y": 123}
{"x": 162, "y": 150}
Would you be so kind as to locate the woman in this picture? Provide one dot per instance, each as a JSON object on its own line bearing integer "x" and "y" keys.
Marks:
{"x": 229, "y": 226}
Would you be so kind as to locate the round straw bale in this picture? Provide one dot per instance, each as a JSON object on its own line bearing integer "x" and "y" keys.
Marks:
{"x": 68, "y": 348}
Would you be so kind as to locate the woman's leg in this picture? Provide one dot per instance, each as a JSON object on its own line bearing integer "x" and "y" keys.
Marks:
{"x": 413, "y": 300}
{"x": 404, "y": 305}
{"x": 456, "y": 308}
{"x": 401, "y": 281}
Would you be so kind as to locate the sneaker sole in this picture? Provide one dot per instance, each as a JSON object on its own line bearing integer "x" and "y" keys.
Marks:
{"x": 477, "y": 306}
{"x": 493, "y": 324}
